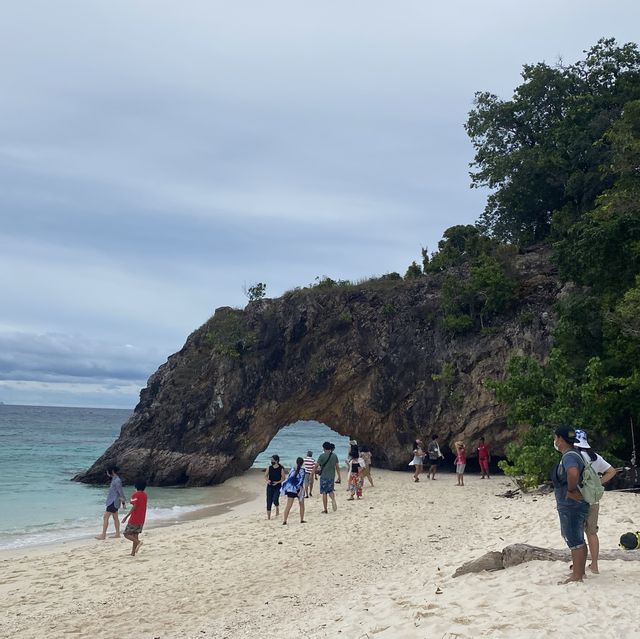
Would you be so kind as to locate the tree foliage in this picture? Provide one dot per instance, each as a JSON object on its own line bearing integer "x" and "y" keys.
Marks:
{"x": 541, "y": 397}
{"x": 256, "y": 291}
{"x": 562, "y": 158}
{"x": 541, "y": 152}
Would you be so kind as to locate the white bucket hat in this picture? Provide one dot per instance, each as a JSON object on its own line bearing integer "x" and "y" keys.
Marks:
{"x": 582, "y": 442}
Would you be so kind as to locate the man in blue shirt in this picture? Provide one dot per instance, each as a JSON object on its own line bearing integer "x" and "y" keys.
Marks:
{"x": 572, "y": 509}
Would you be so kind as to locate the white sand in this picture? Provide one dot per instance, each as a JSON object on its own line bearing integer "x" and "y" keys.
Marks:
{"x": 371, "y": 569}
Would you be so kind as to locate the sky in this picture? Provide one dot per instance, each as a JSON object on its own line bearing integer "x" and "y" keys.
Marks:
{"x": 157, "y": 158}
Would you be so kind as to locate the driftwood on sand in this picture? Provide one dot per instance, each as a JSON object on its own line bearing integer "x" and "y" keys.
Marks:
{"x": 520, "y": 553}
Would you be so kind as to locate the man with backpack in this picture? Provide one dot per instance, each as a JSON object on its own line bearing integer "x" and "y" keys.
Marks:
{"x": 607, "y": 472}
{"x": 572, "y": 507}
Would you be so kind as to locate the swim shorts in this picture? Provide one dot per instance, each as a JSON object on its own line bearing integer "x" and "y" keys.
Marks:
{"x": 133, "y": 529}
{"x": 326, "y": 486}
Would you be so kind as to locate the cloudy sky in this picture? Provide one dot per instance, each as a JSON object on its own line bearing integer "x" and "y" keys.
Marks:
{"x": 155, "y": 157}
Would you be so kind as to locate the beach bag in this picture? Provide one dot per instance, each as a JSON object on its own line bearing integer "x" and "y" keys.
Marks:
{"x": 319, "y": 472}
{"x": 589, "y": 485}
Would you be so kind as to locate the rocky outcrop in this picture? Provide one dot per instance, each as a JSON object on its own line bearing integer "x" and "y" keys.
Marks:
{"x": 361, "y": 359}
{"x": 516, "y": 554}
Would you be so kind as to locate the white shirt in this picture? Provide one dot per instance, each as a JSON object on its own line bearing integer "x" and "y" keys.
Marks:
{"x": 599, "y": 464}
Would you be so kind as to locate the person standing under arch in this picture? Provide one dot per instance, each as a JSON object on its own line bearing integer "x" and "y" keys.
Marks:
{"x": 293, "y": 488}
{"x": 418, "y": 459}
{"x": 435, "y": 455}
{"x": 309, "y": 473}
{"x": 274, "y": 477}
{"x": 460, "y": 462}
{"x": 356, "y": 474}
{"x": 366, "y": 456}
{"x": 328, "y": 465}
{"x": 483, "y": 458}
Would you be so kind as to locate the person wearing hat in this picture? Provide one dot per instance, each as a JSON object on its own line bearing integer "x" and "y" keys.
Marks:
{"x": 572, "y": 509}
{"x": 607, "y": 472}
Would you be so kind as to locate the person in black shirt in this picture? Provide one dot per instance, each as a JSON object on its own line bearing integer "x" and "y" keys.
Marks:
{"x": 274, "y": 476}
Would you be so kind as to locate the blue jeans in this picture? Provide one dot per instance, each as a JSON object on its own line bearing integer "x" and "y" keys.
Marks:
{"x": 572, "y": 519}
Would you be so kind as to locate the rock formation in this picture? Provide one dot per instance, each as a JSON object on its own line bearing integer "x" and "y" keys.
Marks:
{"x": 516, "y": 554}
{"x": 358, "y": 358}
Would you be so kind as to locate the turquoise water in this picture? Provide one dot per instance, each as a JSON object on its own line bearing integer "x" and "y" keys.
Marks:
{"x": 42, "y": 448}
{"x": 295, "y": 440}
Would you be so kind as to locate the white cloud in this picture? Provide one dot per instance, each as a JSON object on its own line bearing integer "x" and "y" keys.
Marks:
{"x": 155, "y": 156}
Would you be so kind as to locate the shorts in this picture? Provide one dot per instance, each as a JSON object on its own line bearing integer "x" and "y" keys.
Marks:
{"x": 293, "y": 495}
{"x": 111, "y": 508}
{"x": 326, "y": 486}
{"x": 133, "y": 529}
{"x": 308, "y": 478}
{"x": 572, "y": 523}
{"x": 591, "y": 522}
{"x": 434, "y": 462}
{"x": 460, "y": 468}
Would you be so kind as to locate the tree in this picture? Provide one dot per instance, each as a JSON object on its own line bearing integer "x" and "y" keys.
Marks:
{"x": 541, "y": 397}
{"x": 463, "y": 243}
{"x": 602, "y": 250}
{"x": 493, "y": 290}
{"x": 627, "y": 312}
{"x": 542, "y": 151}
{"x": 256, "y": 291}
{"x": 413, "y": 271}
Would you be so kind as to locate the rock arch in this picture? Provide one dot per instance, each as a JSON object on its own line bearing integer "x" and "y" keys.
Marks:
{"x": 360, "y": 359}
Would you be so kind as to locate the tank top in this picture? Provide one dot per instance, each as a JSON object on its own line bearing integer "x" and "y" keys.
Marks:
{"x": 355, "y": 467}
{"x": 275, "y": 472}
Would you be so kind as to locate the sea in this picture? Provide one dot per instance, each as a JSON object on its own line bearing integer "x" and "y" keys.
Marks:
{"x": 43, "y": 447}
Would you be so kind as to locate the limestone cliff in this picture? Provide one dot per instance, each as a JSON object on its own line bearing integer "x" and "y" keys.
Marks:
{"x": 358, "y": 358}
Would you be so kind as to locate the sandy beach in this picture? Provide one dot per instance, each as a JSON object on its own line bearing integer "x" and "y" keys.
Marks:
{"x": 380, "y": 567}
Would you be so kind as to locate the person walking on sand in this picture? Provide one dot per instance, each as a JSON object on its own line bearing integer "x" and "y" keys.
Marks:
{"x": 572, "y": 509}
{"x": 293, "y": 488}
{"x": 607, "y": 473}
{"x": 136, "y": 516}
{"x": 328, "y": 465}
{"x": 461, "y": 462}
{"x": 309, "y": 473}
{"x": 356, "y": 477}
{"x": 418, "y": 459}
{"x": 115, "y": 499}
{"x": 483, "y": 458}
{"x": 353, "y": 452}
{"x": 435, "y": 455}
{"x": 274, "y": 477}
{"x": 366, "y": 456}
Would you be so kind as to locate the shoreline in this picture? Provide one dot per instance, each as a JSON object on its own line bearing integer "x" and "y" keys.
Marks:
{"x": 229, "y": 503}
{"x": 378, "y": 567}
{"x": 244, "y": 484}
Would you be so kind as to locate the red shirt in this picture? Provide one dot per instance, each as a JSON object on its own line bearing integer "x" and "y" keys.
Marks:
{"x": 139, "y": 500}
{"x": 483, "y": 452}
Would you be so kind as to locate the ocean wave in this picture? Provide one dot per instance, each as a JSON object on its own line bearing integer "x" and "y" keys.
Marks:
{"x": 83, "y": 528}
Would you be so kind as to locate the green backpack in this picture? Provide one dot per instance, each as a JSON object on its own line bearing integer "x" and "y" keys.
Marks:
{"x": 589, "y": 485}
